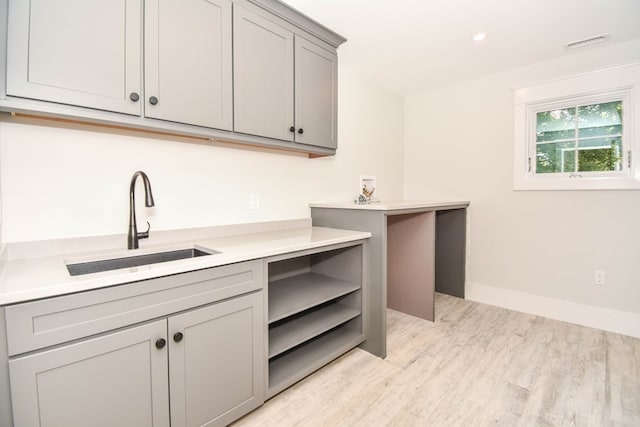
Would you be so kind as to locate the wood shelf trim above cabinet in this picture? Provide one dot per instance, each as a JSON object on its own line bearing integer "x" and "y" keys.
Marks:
{"x": 174, "y": 131}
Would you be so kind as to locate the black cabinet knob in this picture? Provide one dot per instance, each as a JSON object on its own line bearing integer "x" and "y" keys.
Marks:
{"x": 134, "y": 97}
{"x": 300, "y": 131}
{"x": 177, "y": 337}
{"x": 153, "y": 100}
{"x": 161, "y": 342}
{"x": 292, "y": 129}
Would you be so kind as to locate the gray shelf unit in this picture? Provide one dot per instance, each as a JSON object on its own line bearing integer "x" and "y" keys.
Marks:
{"x": 294, "y": 365}
{"x": 286, "y": 335}
{"x": 298, "y": 293}
{"x": 314, "y": 311}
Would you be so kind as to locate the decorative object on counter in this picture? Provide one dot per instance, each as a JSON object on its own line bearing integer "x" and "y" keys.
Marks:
{"x": 367, "y": 190}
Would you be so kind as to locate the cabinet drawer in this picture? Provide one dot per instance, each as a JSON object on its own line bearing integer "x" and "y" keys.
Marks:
{"x": 43, "y": 323}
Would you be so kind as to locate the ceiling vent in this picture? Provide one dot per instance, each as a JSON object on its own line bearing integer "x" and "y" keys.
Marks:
{"x": 587, "y": 41}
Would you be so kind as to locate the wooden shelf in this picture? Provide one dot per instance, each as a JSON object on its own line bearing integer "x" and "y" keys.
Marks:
{"x": 289, "y": 334}
{"x": 304, "y": 360}
{"x": 301, "y": 292}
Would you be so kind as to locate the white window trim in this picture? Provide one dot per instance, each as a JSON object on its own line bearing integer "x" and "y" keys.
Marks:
{"x": 597, "y": 86}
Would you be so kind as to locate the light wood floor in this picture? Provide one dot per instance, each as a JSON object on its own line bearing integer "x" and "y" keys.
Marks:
{"x": 475, "y": 365}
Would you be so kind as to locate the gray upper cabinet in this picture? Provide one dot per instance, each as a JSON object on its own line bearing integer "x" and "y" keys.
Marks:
{"x": 263, "y": 76}
{"x": 89, "y": 54}
{"x": 285, "y": 87}
{"x": 247, "y": 71}
{"x": 316, "y": 89}
{"x": 188, "y": 62}
{"x": 78, "y": 52}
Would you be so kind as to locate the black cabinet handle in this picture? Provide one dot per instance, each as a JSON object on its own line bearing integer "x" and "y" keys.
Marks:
{"x": 292, "y": 129}
{"x": 161, "y": 342}
{"x": 153, "y": 100}
{"x": 134, "y": 97}
{"x": 177, "y": 337}
{"x": 300, "y": 131}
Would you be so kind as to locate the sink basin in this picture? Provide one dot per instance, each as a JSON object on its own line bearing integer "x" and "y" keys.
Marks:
{"x": 86, "y": 267}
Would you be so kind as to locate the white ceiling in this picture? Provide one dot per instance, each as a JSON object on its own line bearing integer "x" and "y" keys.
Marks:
{"x": 416, "y": 45}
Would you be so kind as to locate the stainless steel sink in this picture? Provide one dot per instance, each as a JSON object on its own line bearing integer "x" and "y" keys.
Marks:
{"x": 77, "y": 268}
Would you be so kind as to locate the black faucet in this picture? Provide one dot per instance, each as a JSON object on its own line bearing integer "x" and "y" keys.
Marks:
{"x": 133, "y": 229}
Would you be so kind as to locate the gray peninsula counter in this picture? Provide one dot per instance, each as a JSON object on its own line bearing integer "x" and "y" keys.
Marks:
{"x": 416, "y": 249}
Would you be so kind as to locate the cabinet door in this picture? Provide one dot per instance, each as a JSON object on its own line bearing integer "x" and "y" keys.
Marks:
{"x": 78, "y": 52}
{"x": 114, "y": 380}
{"x": 316, "y": 92}
{"x": 188, "y": 62}
{"x": 263, "y": 76}
{"x": 216, "y": 367}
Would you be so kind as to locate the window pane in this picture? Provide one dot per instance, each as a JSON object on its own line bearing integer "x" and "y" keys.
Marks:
{"x": 555, "y": 125}
{"x": 598, "y": 155}
{"x": 555, "y": 157}
{"x": 600, "y": 119}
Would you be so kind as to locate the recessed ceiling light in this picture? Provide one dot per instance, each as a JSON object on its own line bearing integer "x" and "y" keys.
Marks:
{"x": 479, "y": 37}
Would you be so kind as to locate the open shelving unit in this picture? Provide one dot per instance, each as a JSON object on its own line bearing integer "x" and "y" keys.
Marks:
{"x": 314, "y": 312}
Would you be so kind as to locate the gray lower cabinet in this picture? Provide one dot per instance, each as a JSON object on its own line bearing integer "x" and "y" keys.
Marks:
{"x": 216, "y": 362}
{"x": 200, "y": 348}
{"x": 182, "y": 350}
{"x": 285, "y": 87}
{"x": 214, "y": 375}
{"x": 118, "y": 379}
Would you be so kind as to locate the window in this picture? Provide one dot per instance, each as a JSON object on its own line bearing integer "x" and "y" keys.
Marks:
{"x": 578, "y": 139}
{"x": 569, "y": 140}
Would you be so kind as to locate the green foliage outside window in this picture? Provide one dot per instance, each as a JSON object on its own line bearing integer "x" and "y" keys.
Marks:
{"x": 584, "y": 138}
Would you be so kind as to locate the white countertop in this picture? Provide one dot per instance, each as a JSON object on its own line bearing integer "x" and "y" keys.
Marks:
{"x": 395, "y": 205}
{"x": 27, "y": 279}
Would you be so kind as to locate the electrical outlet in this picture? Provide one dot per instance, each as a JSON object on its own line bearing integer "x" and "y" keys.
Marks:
{"x": 254, "y": 201}
{"x": 598, "y": 277}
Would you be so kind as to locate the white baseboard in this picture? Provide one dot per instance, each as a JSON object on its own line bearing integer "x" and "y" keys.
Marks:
{"x": 587, "y": 315}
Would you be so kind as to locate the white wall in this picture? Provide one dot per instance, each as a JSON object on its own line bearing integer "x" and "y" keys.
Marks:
{"x": 458, "y": 144}
{"x": 66, "y": 182}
